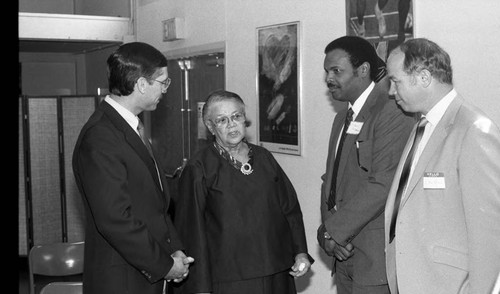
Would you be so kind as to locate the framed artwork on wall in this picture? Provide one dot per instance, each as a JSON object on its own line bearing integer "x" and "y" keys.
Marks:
{"x": 278, "y": 88}
{"x": 384, "y": 23}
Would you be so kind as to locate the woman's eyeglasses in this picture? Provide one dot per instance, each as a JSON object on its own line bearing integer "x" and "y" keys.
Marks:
{"x": 222, "y": 121}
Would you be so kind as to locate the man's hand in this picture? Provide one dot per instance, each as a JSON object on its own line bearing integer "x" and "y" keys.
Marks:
{"x": 332, "y": 248}
{"x": 180, "y": 269}
{"x": 340, "y": 252}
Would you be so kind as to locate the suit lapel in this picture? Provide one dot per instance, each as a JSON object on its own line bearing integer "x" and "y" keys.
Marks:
{"x": 435, "y": 143}
{"x": 132, "y": 139}
{"x": 364, "y": 114}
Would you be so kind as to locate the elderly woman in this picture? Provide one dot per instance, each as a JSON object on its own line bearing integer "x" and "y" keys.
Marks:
{"x": 237, "y": 212}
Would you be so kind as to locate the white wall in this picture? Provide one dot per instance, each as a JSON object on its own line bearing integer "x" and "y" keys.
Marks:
{"x": 205, "y": 23}
{"x": 467, "y": 30}
{"x": 470, "y": 33}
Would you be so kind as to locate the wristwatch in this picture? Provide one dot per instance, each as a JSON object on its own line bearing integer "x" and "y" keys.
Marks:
{"x": 327, "y": 236}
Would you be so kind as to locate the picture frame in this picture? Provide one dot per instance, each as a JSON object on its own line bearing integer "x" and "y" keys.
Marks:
{"x": 278, "y": 79}
{"x": 385, "y": 27}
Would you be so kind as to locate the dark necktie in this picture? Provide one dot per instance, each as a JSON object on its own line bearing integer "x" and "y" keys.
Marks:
{"x": 333, "y": 191}
{"x": 405, "y": 174}
{"x": 140, "y": 129}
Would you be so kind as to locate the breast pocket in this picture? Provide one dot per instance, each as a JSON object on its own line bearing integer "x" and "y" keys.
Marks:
{"x": 450, "y": 257}
{"x": 364, "y": 155}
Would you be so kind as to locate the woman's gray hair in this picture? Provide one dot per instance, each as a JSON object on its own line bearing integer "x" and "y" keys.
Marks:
{"x": 217, "y": 96}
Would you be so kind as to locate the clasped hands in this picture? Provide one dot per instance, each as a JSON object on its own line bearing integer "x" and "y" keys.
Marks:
{"x": 333, "y": 248}
{"x": 180, "y": 269}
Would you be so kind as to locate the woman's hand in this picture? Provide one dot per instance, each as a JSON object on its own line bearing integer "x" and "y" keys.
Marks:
{"x": 301, "y": 266}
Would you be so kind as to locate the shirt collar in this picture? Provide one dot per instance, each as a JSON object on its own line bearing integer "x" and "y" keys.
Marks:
{"x": 358, "y": 104}
{"x": 438, "y": 110}
{"x": 129, "y": 117}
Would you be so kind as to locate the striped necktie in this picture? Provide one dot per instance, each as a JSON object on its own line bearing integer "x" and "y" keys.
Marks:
{"x": 403, "y": 180}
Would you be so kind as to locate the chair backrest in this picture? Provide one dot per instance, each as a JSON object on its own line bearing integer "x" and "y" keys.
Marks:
{"x": 63, "y": 288}
{"x": 55, "y": 260}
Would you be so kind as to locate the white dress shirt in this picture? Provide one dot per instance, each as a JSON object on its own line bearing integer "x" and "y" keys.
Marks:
{"x": 133, "y": 121}
{"x": 129, "y": 117}
{"x": 433, "y": 117}
{"x": 356, "y": 107}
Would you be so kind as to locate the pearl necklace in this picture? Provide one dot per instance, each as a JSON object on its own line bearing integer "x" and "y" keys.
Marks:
{"x": 244, "y": 168}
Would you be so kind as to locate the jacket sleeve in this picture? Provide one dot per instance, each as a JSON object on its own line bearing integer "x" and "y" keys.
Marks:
{"x": 190, "y": 222}
{"x": 290, "y": 207}
{"x": 479, "y": 174}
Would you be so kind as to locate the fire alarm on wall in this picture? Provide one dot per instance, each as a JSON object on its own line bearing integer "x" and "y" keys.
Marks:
{"x": 173, "y": 29}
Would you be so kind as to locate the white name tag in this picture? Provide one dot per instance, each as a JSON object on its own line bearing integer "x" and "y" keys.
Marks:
{"x": 434, "y": 180}
{"x": 354, "y": 128}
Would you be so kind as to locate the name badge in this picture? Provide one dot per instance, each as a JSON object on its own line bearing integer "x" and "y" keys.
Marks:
{"x": 354, "y": 127}
{"x": 434, "y": 180}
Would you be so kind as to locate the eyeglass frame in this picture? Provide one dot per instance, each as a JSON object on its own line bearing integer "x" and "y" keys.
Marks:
{"x": 165, "y": 84}
{"x": 232, "y": 117}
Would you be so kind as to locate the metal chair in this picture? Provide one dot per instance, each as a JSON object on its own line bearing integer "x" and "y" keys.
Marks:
{"x": 58, "y": 261}
{"x": 63, "y": 288}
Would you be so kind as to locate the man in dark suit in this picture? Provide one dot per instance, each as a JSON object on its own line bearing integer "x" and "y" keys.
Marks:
{"x": 131, "y": 245}
{"x": 359, "y": 170}
{"x": 442, "y": 222}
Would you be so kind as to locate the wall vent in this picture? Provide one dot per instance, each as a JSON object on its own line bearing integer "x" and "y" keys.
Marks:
{"x": 173, "y": 29}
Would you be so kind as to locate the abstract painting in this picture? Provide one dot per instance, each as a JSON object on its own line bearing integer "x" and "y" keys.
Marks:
{"x": 278, "y": 88}
{"x": 384, "y": 23}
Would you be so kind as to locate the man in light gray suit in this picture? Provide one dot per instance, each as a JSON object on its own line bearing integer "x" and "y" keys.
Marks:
{"x": 442, "y": 234}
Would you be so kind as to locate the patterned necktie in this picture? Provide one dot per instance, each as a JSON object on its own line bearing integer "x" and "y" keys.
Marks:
{"x": 333, "y": 191}
{"x": 140, "y": 129}
{"x": 403, "y": 181}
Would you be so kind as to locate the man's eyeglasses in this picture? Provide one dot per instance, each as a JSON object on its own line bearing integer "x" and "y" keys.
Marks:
{"x": 165, "y": 84}
{"x": 222, "y": 121}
